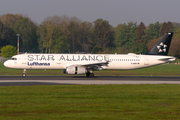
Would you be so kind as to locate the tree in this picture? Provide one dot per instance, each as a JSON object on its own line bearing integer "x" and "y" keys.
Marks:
{"x": 163, "y": 29}
{"x": 61, "y": 44}
{"x": 176, "y": 26}
{"x": 9, "y": 19}
{"x": 84, "y": 38}
{"x": 166, "y": 27}
{"x": 73, "y": 31}
{"x": 46, "y": 31}
{"x": 1, "y": 30}
{"x": 8, "y": 51}
{"x": 125, "y": 37}
{"x": 49, "y": 37}
{"x": 151, "y": 32}
{"x": 170, "y": 27}
{"x": 150, "y": 44}
{"x": 27, "y": 29}
{"x": 102, "y": 33}
{"x": 60, "y": 41}
{"x": 177, "y": 33}
{"x": 7, "y": 35}
{"x": 42, "y": 32}
{"x": 97, "y": 50}
{"x": 53, "y": 34}
{"x": 174, "y": 48}
{"x": 139, "y": 48}
{"x": 140, "y": 31}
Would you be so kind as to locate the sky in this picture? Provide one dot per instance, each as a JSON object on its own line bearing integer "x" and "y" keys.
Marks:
{"x": 114, "y": 11}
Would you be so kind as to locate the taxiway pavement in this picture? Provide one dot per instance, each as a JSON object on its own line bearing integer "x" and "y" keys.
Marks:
{"x": 82, "y": 80}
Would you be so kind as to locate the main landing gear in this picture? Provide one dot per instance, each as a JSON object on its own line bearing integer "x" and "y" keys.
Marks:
{"x": 24, "y": 73}
{"x": 88, "y": 74}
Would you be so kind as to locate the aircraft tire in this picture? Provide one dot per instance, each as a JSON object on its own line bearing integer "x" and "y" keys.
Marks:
{"x": 87, "y": 74}
{"x": 91, "y": 75}
{"x": 24, "y": 75}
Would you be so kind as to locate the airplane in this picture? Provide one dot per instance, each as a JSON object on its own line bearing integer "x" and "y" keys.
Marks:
{"x": 87, "y": 63}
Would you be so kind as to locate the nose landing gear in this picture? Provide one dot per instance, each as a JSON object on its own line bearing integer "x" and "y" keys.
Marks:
{"x": 24, "y": 73}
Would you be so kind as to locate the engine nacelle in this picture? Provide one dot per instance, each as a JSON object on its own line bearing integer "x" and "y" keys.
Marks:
{"x": 74, "y": 70}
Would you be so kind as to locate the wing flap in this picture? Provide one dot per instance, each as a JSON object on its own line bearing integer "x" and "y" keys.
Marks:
{"x": 99, "y": 63}
{"x": 93, "y": 66}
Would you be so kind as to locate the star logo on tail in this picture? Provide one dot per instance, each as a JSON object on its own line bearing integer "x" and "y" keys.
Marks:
{"x": 162, "y": 47}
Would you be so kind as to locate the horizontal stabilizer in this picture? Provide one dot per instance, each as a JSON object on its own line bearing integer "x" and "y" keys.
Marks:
{"x": 167, "y": 59}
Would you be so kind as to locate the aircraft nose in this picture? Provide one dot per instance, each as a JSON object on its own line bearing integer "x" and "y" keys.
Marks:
{"x": 6, "y": 63}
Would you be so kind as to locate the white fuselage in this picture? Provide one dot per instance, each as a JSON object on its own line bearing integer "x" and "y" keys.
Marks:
{"x": 61, "y": 61}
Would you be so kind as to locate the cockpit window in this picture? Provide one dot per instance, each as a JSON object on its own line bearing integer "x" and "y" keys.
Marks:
{"x": 13, "y": 58}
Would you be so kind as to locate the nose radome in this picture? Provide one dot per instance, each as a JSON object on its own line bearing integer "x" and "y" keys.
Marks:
{"x": 6, "y": 64}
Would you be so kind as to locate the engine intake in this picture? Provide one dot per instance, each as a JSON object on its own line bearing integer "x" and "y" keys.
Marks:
{"x": 74, "y": 70}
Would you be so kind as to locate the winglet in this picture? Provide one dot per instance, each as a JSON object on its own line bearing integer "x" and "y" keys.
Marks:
{"x": 162, "y": 46}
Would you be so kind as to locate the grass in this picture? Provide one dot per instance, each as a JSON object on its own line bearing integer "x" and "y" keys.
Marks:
{"x": 160, "y": 70}
{"x": 81, "y": 102}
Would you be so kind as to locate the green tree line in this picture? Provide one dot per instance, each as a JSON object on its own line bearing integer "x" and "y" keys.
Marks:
{"x": 63, "y": 34}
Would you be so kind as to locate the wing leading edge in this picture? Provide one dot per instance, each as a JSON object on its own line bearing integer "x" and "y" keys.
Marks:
{"x": 94, "y": 66}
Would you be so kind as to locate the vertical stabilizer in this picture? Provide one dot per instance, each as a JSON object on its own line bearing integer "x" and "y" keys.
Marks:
{"x": 162, "y": 46}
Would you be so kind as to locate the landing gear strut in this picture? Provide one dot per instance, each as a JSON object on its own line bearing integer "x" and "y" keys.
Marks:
{"x": 24, "y": 73}
{"x": 88, "y": 74}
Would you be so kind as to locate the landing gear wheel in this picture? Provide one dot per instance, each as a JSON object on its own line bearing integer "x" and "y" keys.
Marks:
{"x": 87, "y": 74}
{"x": 24, "y": 74}
{"x": 91, "y": 75}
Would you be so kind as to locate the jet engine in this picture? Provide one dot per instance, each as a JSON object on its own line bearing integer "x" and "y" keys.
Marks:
{"x": 74, "y": 70}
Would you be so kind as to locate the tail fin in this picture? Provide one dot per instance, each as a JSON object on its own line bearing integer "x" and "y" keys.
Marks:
{"x": 162, "y": 46}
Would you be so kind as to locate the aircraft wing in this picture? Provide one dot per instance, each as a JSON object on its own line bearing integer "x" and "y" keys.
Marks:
{"x": 94, "y": 66}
